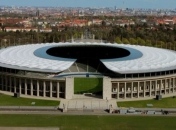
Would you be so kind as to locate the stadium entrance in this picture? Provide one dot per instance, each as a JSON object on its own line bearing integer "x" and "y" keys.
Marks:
{"x": 88, "y": 87}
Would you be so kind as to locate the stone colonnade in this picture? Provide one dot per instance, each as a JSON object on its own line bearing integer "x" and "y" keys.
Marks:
{"x": 138, "y": 88}
{"x": 46, "y": 87}
{"x": 112, "y": 88}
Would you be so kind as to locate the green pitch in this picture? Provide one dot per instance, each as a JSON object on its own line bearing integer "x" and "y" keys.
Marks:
{"x": 88, "y": 85}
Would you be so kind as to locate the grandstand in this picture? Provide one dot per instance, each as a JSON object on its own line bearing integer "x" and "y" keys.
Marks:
{"x": 73, "y": 68}
{"x": 92, "y": 67}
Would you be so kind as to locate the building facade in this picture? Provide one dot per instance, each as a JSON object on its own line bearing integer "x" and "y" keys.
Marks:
{"x": 36, "y": 86}
{"x": 113, "y": 88}
{"x": 139, "y": 88}
{"x": 142, "y": 72}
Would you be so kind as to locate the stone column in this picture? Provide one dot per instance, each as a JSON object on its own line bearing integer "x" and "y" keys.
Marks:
{"x": 19, "y": 85}
{"x": 156, "y": 85}
{"x": 150, "y": 88}
{"x": 125, "y": 90}
{"x": 173, "y": 85}
{"x": 170, "y": 88}
{"x": 144, "y": 91}
{"x": 138, "y": 89}
{"x": 10, "y": 84}
{"x": 31, "y": 87}
{"x": 165, "y": 86}
{"x": 169, "y": 82}
{"x": 57, "y": 89}
{"x": 25, "y": 86}
{"x": 118, "y": 90}
{"x": 14, "y": 85}
{"x": 131, "y": 89}
{"x": 37, "y": 88}
{"x": 160, "y": 87}
{"x": 44, "y": 89}
{"x": 51, "y": 89}
{"x": 69, "y": 88}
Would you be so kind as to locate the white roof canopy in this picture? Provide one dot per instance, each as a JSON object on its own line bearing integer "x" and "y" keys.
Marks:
{"x": 33, "y": 57}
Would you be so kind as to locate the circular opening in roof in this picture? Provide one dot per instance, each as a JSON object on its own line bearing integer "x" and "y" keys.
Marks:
{"x": 88, "y": 52}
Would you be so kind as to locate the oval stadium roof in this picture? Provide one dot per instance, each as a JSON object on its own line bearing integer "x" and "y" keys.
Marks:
{"x": 33, "y": 57}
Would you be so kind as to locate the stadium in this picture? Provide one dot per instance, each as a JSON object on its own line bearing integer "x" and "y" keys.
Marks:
{"x": 102, "y": 70}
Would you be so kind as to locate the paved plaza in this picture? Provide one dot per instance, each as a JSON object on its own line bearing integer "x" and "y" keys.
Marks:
{"x": 88, "y": 104}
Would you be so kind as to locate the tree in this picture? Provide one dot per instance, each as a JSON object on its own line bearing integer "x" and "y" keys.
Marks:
{"x": 132, "y": 41}
{"x": 125, "y": 41}
{"x": 103, "y": 23}
{"x": 160, "y": 44}
{"x": 117, "y": 40}
{"x": 140, "y": 41}
{"x": 148, "y": 43}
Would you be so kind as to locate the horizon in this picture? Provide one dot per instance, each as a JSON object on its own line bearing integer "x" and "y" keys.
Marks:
{"x": 150, "y": 4}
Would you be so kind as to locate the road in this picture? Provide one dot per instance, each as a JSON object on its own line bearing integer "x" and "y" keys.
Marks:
{"x": 76, "y": 113}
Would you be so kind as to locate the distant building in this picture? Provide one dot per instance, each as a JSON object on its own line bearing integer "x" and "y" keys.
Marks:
{"x": 37, "y": 13}
{"x": 46, "y": 30}
{"x": 21, "y": 29}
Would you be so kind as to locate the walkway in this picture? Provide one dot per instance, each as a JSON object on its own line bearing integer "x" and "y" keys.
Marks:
{"x": 88, "y": 104}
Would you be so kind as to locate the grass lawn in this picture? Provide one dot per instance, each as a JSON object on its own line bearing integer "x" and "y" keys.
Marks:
{"x": 88, "y": 85}
{"x": 164, "y": 103}
{"x": 6, "y": 100}
{"x": 90, "y": 122}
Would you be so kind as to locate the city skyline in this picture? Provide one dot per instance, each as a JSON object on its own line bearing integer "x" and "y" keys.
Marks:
{"x": 163, "y": 4}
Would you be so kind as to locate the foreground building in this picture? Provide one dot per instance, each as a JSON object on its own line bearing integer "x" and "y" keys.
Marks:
{"x": 48, "y": 70}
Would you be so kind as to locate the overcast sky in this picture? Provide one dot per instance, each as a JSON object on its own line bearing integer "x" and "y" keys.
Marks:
{"x": 169, "y": 4}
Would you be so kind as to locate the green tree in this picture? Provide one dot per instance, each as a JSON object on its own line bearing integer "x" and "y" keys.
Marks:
{"x": 103, "y": 23}
{"x": 125, "y": 41}
{"x": 117, "y": 40}
{"x": 148, "y": 43}
{"x": 140, "y": 41}
{"x": 133, "y": 41}
{"x": 160, "y": 44}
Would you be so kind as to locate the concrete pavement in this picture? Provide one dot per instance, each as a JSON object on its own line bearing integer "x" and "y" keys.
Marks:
{"x": 90, "y": 104}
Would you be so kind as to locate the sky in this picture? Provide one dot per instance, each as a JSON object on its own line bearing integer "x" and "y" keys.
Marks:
{"x": 162, "y": 4}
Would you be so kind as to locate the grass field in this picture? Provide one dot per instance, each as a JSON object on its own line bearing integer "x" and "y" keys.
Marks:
{"x": 6, "y": 100}
{"x": 164, "y": 103}
{"x": 88, "y": 85}
{"x": 90, "y": 122}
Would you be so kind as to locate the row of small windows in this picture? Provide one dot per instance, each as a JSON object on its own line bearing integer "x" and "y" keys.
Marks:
{"x": 152, "y": 74}
{"x": 136, "y": 75}
{"x": 13, "y": 71}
